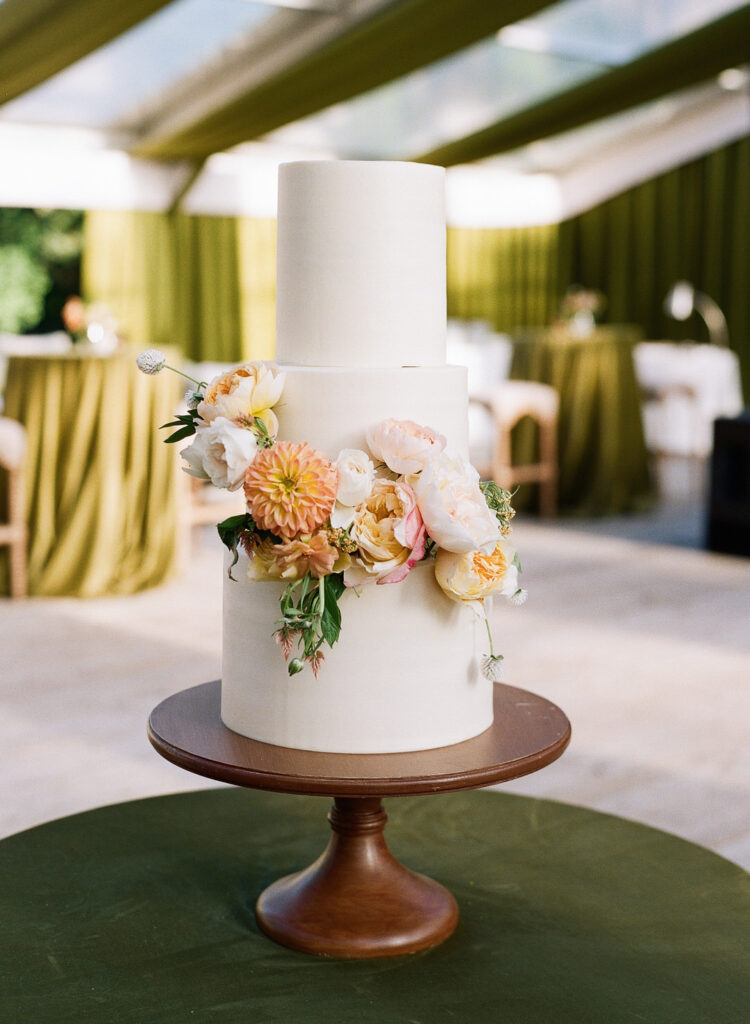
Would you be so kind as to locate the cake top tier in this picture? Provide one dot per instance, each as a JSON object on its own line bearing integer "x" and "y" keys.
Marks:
{"x": 361, "y": 264}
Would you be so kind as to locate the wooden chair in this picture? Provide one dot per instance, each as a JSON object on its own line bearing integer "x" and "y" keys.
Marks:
{"x": 510, "y": 402}
{"x": 14, "y": 533}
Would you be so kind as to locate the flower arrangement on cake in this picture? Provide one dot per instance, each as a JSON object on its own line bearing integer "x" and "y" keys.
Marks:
{"x": 326, "y": 526}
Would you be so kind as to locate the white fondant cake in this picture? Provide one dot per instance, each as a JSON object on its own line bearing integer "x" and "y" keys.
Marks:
{"x": 361, "y": 338}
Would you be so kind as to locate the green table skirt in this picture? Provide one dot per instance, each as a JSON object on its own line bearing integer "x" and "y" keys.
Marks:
{"x": 603, "y": 460}
{"x": 142, "y": 913}
{"x": 100, "y": 482}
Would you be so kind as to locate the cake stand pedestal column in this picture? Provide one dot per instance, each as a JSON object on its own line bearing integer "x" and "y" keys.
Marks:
{"x": 356, "y": 900}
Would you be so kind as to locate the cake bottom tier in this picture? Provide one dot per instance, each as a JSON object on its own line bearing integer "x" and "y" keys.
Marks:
{"x": 404, "y": 675}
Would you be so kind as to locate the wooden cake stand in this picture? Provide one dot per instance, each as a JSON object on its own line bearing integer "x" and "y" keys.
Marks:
{"x": 357, "y": 900}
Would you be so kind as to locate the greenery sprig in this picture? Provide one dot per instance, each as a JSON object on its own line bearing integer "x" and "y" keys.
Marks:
{"x": 499, "y": 501}
{"x": 311, "y": 616}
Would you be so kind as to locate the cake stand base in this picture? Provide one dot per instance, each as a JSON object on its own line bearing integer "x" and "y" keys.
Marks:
{"x": 357, "y": 900}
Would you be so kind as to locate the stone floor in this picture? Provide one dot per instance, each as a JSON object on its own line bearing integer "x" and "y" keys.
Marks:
{"x": 645, "y": 645}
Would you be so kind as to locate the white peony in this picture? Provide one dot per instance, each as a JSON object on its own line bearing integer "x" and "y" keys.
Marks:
{"x": 453, "y": 507}
{"x": 221, "y": 452}
{"x": 356, "y": 474}
{"x": 404, "y": 446}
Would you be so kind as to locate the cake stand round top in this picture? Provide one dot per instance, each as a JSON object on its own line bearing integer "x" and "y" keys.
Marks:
{"x": 528, "y": 733}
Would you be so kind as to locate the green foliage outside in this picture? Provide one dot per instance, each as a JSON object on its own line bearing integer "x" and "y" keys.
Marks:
{"x": 40, "y": 264}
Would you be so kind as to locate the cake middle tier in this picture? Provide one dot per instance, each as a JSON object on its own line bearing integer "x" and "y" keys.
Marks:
{"x": 332, "y": 407}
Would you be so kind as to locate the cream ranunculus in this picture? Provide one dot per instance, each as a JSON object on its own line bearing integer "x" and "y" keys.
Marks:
{"x": 221, "y": 452}
{"x": 453, "y": 507}
{"x": 474, "y": 575}
{"x": 404, "y": 446}
{"x": 389, "y": 534}
{"x": 356, "y": 475}
{"x": 250, "y": 390}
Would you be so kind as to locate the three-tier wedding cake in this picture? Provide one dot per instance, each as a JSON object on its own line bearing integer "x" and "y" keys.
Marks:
{"x": 361, "y": 325}
{"x": 369, "y": 545}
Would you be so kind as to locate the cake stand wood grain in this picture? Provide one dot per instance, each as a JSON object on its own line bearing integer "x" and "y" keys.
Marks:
{"x": 357, "y": 900}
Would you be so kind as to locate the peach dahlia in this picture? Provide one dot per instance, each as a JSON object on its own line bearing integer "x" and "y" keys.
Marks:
{"x": 290, "y": 489}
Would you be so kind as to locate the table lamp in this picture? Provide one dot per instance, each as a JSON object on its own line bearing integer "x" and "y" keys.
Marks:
{"x": 683, "y": 299}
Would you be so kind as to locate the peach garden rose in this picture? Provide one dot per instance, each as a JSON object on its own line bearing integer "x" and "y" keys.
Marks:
{"x": 252, "y": 389}
{"x": 389, "y": 534}
{"x": 474, "y": 575}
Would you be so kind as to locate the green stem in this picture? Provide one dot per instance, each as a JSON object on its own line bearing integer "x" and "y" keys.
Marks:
{"x": 200, "y": 383}
{"x": 489, "y": 631}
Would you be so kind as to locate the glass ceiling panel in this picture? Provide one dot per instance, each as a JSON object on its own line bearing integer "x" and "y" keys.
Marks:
{"x": 101, "y": 88}
{"x": 561, "y": 47}
{"x": 447, "y": 100}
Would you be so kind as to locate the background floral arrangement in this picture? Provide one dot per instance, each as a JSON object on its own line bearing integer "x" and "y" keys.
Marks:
{"x": 326, "y": 526}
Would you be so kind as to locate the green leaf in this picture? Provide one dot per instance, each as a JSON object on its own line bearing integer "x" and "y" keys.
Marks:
{"x": 230, "y": 533}
{"x": 180, "y": 435}
{"x": 334, "y": 585}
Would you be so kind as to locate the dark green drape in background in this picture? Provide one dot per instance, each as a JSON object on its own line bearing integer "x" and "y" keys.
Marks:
{"x": 692, "y": 223}
{"x": 505, "y": 276}
{"x": 203, "y": 284}
{"x": 207, "y": 284}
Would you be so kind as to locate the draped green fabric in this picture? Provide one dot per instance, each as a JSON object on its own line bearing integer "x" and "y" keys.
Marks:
{"x": 392, "y": 41}
{"x": 101, "y": 488}
{"x": 38, "y": 38}
{"x": 142, "y": 913}
{"x": 203, "y": 284}
{"x": 602, "y": 456}
{"x": 684, "y": 62}
{"x": 505, "y": 276}
{"x": 692, "y": 224}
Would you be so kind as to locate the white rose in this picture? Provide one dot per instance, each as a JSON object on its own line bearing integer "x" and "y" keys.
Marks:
{"x": 453, "y": 507}
{"x": 221, "y": 452}
{"x": 356, "y": 474}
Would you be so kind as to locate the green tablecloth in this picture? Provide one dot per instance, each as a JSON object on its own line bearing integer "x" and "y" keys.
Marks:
{"x": 101, "y": 484}
{"x": 602, "y": 452}
{"x": 142, "y": 913}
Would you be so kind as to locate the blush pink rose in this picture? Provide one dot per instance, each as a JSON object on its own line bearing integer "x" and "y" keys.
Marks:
{"x": 404, "y": 446}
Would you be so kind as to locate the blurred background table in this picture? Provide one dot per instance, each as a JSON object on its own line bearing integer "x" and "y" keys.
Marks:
{"x": 603, "y": 461}
{"x": 143, "y": 912}
{"x": 101, "y": 484}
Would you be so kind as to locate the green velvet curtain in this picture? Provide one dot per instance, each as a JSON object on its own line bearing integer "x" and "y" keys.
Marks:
{"x": 691, "y": 223}
{"x": 506, "y": 276}
{"x": 686, "y": 61}
{"x": 203, "y": 284}
{"x": 392, "y": 41}
{"x": 38, "y": 38}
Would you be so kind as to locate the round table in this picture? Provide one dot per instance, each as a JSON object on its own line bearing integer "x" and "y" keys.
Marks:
{"x": 603, "y": 461}
{"x": 357, "y": 900}
{"x": 141, "y": 913}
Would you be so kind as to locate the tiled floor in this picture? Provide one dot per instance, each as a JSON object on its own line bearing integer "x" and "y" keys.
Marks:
{"x": 645, "y": 646}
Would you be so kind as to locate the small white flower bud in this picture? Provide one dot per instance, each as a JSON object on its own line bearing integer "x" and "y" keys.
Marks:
{"x": 151, "y": 361}
{"x": 519, "y": 597}
{"x": 193, "y": 398}
{"x": 492, "y": 667}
